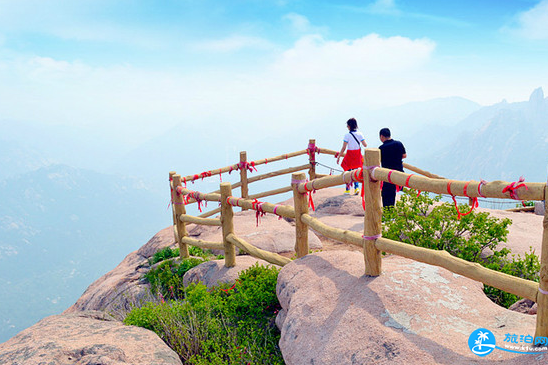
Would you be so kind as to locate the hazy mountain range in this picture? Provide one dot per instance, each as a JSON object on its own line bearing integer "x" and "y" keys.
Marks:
{"x": 60, "y": 229}
{"x": 75, "y": 200}
{"x": 500, "y": 142}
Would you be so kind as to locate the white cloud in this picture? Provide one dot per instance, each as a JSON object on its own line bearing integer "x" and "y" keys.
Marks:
{"x": 387, "y": 7}
{"x": 531, "y": 24}
{"x": 312, "y": 80}
{"x": 314, "y": 75}
{"x": 299, "y": 22}
{"x": 234, "y": 43}
{"x": 45, "y": 68}
{"x": 315, "y": 57}
{"x": 53, "y": 91}
{"x": 315, "y": 80}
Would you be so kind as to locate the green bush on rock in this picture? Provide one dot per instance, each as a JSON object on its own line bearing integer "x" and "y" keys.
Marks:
{"x": 222, "y": 325}
{"x": 416, "y": 220}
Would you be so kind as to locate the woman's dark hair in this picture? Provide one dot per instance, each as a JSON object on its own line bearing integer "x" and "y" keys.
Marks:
{"x": 352, "y": 124}
{"x": 385, "y": 132}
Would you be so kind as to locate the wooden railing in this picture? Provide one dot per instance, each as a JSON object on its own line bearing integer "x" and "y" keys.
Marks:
{"x": 371, "y": 240}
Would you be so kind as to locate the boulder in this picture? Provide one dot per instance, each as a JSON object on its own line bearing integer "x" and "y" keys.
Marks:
{"x": 333, "y": 201}
{"x": 413, "y": 313}
{"x": 338, "y": 203}
{"x": 539, "y": 208}
{"x": 524, "y": 305}
{"x": 86, "y": 338}
{"x": 267, "y": 232}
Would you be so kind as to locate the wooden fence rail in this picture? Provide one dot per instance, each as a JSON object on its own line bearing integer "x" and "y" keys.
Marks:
{"x": 207, "y": 245}
{"x": 371, "y": 241}
{"x": 236, "y": 167}
{"x": 271, "y": 257}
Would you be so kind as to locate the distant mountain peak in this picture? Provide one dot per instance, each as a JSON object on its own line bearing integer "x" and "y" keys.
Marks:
{"x": 537, "y": 96}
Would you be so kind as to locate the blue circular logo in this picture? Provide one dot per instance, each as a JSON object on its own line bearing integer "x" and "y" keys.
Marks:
{"x": 482, "y": 342}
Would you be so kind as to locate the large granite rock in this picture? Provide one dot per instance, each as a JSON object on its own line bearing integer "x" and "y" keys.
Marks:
{"x": 539, "y": 208}
{"x": 333, "y": 201}
{"x": 413, "y": 313}
{"x": 86, "y": 338}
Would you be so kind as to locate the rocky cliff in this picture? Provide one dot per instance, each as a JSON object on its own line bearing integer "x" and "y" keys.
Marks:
{"x": 332, "y": 313}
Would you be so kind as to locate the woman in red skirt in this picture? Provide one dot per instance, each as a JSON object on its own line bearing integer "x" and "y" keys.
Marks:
{"x": 353, "y": 158}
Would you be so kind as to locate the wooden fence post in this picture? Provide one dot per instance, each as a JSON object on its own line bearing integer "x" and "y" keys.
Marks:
{"x": 171, "y": 173}
{"x": 178, "y": 209}
{"x": 243, "y": 176}
{"x": 312, "y": 158}
{"x": 227, "y": 221}
{"x": 373, "y": 214}
{"x": 301, "y": 207}
{"x": 542, "y": 295}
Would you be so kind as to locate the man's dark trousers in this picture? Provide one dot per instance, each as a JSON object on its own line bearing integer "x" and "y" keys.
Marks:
{"x": 388, "y": 194}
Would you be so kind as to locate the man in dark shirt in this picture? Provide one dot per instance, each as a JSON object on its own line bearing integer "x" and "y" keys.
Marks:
{"x": 392, "y": 153}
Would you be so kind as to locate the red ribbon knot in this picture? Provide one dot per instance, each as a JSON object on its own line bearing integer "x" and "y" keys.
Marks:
{"x": 511, "y": 188}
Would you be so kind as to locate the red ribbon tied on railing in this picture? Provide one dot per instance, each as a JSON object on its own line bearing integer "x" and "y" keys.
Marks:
{"x": 482, "y": 182}
{"x": 274, "y": 211}
{"x": 511, "y": 188}
{"x": 237, "y": 201}
{"x": 247, "y": 165}
{"x": 398, "y": 188}
{"x": 196, "y": 196}
{"x": 358, "y": 176}
{"x": 475, "y": 203}
{"x": 312, "y": 148}
{"x": 258, "y": 207}
{"x": 309, "y": 192}
{"x": 178, "y": 191}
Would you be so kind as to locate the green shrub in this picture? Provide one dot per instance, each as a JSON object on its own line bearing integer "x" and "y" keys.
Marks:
{"x": 475, "y": 237}
{"x": 143, "y": 317}
{"x": 415, "y": 220}
{"x": 198, "y": 252}
{"x": 527, "y": 267}
{"x": 168, "y": 253}
{"x": 163, "y": 254}
{"x": 167, "y": 278}
{"x": 254, "y": 292}
{"x": 223, "y": 325}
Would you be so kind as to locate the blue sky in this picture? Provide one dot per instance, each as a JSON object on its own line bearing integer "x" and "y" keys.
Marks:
{"x": 149, "y": 65}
